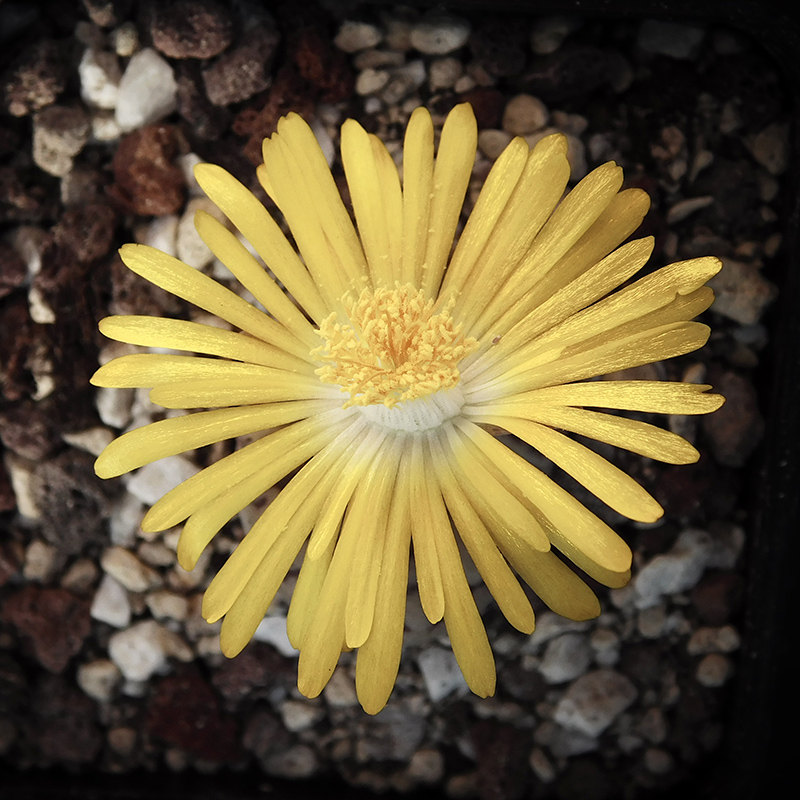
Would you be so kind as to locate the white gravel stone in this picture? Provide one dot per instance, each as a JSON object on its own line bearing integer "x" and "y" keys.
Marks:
{"x": 441, "y": 673}
{"x": 594, "y": 701}
{"x": 111, "y": 603}
{"x": 439, "y": 33}
{"x": 147, "y": 91}
{"x": 568, "y": 742}
{"x": 658, "y": 761}
{"x": 771, "y": 148}
{"x": 125, "y": 521}
{"x": 714, "y": 670}
{"x": 403, "y": 81}
{"x": 426, "y": 766}
{"x": 40, "y": 561}
{"x": 105, "y": 127}
{"x": 125, "y": 39}
{"x": 669, "y": 38}
{"x": 676, "y": 571}
{"x": 525, "y": 114}
{"x": 300, "y": 715}
{"x": 549, "y": 33}
{"x": 162, "y": 233}
{"x": 99, "y": 679}
{"x": 565, "y": 658}
{"x": 371, "y": 81}
{"x": 100, "y": 75}
{"x": 190, "y": 248}
{"x": 272, "y": 631}
{"x": 684, "y": 208}
{"x": 129, "y": 570}
{"x": 444, "y": 72}
{"x": 298, "y": 762}
{"x": 92, "y": 440}
{"x": 548, "y": 626}
{"x": 741, "y": 292}
{"x": 114, "y": 406}
{"x": 340, "y": 691}
{"x": 20, "y": 473}
{"x": 59, "y": 134}
{"x": 714, "y": 640}
{"x": 650, "y": 622}
{"x": 144, "y": 649}
{"x": 605, "y": 644}
{"x": 653, "y": 725}
{"x": 492, "y": 142}
{"x": 542, "y": 766}
{"x": 154, "y": 480}
{"x": 81, "y": 576}
{"x": 324, "y": 140}
{"x": 164, "y": 604}
{"x": 354, "y": 36}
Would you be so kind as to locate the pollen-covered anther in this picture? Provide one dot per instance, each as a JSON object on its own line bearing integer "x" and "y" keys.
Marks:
{"x": 396, "y": 346}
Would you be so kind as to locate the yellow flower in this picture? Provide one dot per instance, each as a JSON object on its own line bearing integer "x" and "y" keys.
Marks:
{"x": 379, "y": 372}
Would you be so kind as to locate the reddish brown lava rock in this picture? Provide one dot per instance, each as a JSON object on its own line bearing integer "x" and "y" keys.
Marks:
{"x": 184, "y": 712}
{"x": 87, "y": 230}
{"x": 502, "y": 753}
{"x": 289, "y": 92}
{"x": 12, "y": 270}
{"x": 147, "y": 180}
{"x": 15, "y": 345}
{"x": 11, "y": 555}
{"x": 245, "y": 70}
{"x": 52, "y": 620}
{"x": 27, "y": 429}
{"x": 191, "y": 29}
{"x": 487, "y": 104}
{"x": 63, "y": 722}
{"x": 36, "y": 79}
{"x": 257, "y": 667}
{"x": 718, "y": 597}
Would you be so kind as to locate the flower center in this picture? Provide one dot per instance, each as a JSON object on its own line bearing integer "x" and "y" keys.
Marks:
{"x": 393, "y": 349}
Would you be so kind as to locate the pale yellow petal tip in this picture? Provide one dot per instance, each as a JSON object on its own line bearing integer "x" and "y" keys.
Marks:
{"x": 232, "y": 640}
{"x": 106, "y": 466}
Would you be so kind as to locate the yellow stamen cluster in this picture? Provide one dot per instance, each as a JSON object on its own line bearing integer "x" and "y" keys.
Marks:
{"x": 393, "y": 349}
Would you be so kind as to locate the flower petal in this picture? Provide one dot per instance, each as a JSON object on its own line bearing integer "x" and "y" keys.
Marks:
{"x": 178, "y": 334}
{"x": 250, "y": 217}
{"x": 494, "y": 570}
{"x": 417, "y": 190}
{"x": 190, "y": 284}
{"x": 202, "y": 488}
{"x": 451, "y": 174}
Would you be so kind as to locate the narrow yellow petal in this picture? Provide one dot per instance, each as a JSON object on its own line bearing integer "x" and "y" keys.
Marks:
{"x": 293, "y": 195}
{"x": 251, "y": 602}
{"x": 375, "y": 192}
{"x": 573, "y": 529}
{"x": 630, "y": 434}
{"x": 658, "y": 397}
{"x": 494, "y": 570}
{"x": 207, "y": 520}
{"x": 492, "y": 201}
{"x": 428, "y": 518}
{"x": 379, "y": 657}
{"x": 554, "y": 366}
{"x": 589, "y": 287}
{"x": 201, "y": 488}
{"x": 498, "y": 507}
{"x": 573, "y": 217}
{"x": 239, "y": 391}
{"x": 532, "y": 201}
{"x": 178, "y": 334}
{"x": 323, "y": 196}
{"x": 360, "y": 459}
{"x": 463, "y": 621}
{"x": 369, "y": 516}
{"x": 451, "y": 174}
{"x": 190, "y": 284}
{"x": 168, "y": 437}
{"x": 417, "y": 190}
{"x": 599, "y": 476}
{"x": 245, "y": 211}
{"x": 556, "y": 584}
{"x": 252, "y": 275}
{"x": 145, "y": 370}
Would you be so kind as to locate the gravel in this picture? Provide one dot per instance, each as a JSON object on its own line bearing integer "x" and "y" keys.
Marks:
{"x": 106, "y": 665}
